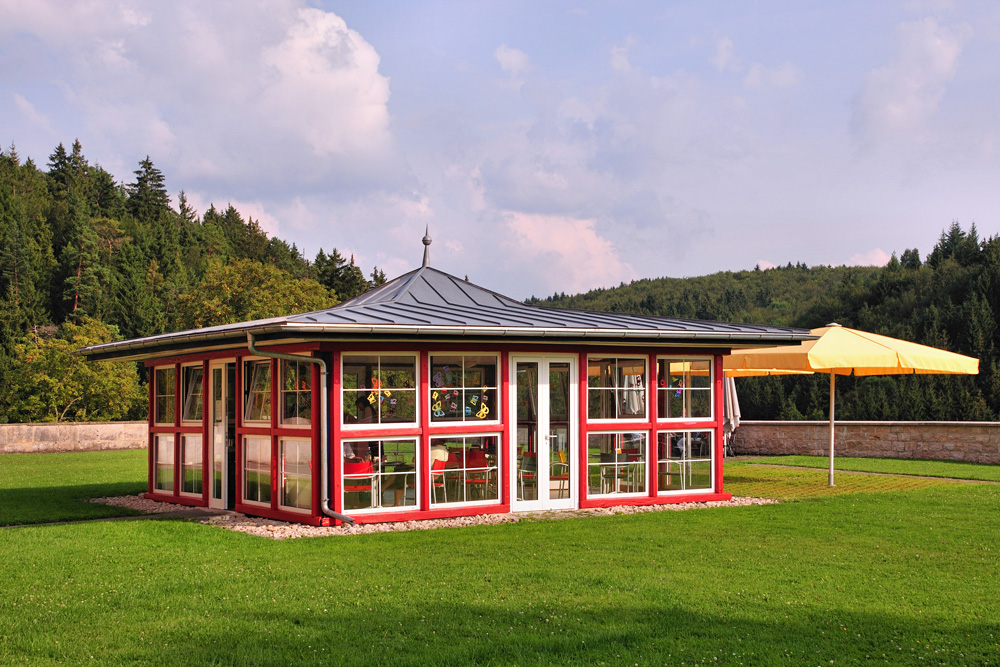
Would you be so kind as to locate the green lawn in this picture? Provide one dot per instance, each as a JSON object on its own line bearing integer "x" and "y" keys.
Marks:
{"x": 955, "y": 469}
{"x": 37, "y": 488}
{"x": 892, "y": 574}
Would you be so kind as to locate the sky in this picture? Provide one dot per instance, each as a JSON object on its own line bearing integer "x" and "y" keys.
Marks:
{"x": 547, "y": 146}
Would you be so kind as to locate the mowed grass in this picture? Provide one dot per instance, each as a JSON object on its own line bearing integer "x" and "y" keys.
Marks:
{"x": 743, "y": 478}
{"x": 39, "y": 488}
{"x": 925, "y": 468}
{"x": 889, "y": 575}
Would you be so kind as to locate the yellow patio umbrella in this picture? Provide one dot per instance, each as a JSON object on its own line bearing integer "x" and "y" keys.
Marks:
{"x": 842, "y": 351}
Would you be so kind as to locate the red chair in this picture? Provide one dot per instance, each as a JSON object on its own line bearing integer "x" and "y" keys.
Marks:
{"x": 437, "y": 478}
{"x": 359, "y": 476}
{"x": 477, "y": 472}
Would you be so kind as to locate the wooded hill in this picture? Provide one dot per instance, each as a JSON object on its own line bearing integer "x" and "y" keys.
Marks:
{"x": 84, "y": 259}
{"x": 950, "y": 301}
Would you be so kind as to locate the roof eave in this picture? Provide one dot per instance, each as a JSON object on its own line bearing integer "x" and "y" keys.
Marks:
{"x": 147, "y": 348}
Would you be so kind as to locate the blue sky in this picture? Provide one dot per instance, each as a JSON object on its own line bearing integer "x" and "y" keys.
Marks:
{"x": 551, "y": 147}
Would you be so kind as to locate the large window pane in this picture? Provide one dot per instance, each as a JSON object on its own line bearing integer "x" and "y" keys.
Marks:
{"x": 296, "y": 393}
{"x": 685, "y": 388}
{"x": 616, "y": 463}
{"x": 379, "y": 389}
{"x": 464, "y": 469}
{"x": 463, "y": 388}
{"x": 164, "y": 463}
{"x": 684, "y": 460}
{"x": 257, "y": 391}
{"x": 163, "y": 397}
{"x": 616, "y": 388}
{"x": 379, "y": 474}
{"x": 191, "y": 464}
{"x": 296, "y": 473}
{"x": 191, "y": 391}
{"x": 257, "y": 469}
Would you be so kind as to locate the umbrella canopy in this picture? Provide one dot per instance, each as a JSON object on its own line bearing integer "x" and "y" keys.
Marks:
{"x": 843, "y": 351}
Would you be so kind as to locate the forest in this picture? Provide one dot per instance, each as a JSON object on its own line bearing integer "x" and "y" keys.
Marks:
{"x": 949, "y": 300}
{"x": 85, "y": 259}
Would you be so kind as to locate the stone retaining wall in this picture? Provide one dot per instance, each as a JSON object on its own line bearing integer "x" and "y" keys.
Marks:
{"x": 72, "y": 437}
{"x": 973, "y": 442}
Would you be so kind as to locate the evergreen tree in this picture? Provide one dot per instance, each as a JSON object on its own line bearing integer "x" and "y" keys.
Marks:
{"x": 147, "y": 197}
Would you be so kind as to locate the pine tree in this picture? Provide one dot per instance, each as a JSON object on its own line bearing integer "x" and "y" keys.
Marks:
{"x": 147, "y": 197}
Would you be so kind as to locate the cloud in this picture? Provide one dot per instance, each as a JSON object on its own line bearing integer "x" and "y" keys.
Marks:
{"x": 901, "y": 96}
{"x": 873, "y": 257}
{"x": 29, "y": 111}
{"x": 512, "y": 61}
{"x": 619, "y": 55}
{"x": 563, "y": 252}
{"x": 723, "y": 53}
{"x": 322, "y": 80}
{"x": 765, "y": 265}
{"x": 242, "y": 102}
{"x": 759, "y": 77}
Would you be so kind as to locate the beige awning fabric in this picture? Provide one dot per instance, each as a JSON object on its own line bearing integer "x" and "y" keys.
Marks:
{"x": 844, "y": 351}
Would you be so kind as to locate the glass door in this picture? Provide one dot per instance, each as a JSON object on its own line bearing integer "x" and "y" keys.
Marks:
{"x": 222, "y": 381}
{"x": 544, "y": 452}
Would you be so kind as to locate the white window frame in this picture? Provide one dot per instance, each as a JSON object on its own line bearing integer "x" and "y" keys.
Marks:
{"x": 243, "y": 468}
{"x": 645, "y": 462}
{"x": 249, "y": 362}
{"x": 283, "y": 473}
{"x": 201, "y": 464}
{"x": 345, "y": 356}
{"x": 615, "y": 421}
{"x": 499, "y": 469}
{"x": 184, "y": 397}
{"x": 158, "y": 440}
{"x": 494, "y": 409}
{"x": 282, "y": 392}
{"x": 157, "y": 395}
{"x": 710, "y": 460}
{"x": 418, "y": 478}
{"x": 711, "y": 388}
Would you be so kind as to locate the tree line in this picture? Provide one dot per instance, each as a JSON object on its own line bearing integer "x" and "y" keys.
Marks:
{"x": 85, "y": 259}
{"x": 951, "y": 300}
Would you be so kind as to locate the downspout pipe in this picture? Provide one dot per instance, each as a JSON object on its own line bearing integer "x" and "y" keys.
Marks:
{"x": 324, "y": 427}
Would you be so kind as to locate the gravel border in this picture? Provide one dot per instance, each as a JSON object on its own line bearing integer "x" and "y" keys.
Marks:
{"x": 282, "y": 530}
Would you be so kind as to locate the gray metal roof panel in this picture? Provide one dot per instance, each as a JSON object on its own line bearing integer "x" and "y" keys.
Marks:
{"x": 427, "y": 299}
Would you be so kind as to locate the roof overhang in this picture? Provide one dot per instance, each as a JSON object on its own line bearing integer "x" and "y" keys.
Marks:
{"x": 234, "y": 337}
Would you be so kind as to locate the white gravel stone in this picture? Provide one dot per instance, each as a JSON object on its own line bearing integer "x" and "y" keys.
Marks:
{"x": 282, "y": 530}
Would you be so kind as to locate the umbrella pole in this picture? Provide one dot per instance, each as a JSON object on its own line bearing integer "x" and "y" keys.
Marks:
{"x": 833, "y": 377}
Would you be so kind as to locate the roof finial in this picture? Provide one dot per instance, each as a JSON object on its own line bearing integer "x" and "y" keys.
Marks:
{"x": 427, "y": 246}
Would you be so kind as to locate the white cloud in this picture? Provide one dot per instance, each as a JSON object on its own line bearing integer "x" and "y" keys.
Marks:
{"x": 563, "y": 252}
{"x": 765, "y": 265}
{"x": 323, "y": 79}
{"x": 253, "y": 99}
{"x": 873, "y": 257}
{"x": 899, "y": 97}
{"x": 512, "y": 61}
{"x": 723, "y": 53}
{"x": 29, "y": 111}
{"x": 619, "y": 55}
{"x": 760, "y": 77}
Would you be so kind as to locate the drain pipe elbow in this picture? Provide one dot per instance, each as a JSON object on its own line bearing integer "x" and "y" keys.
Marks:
{"x": 324, "y": 428}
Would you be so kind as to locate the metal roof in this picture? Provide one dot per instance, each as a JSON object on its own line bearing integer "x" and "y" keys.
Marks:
{"x": 430, "y": 303}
